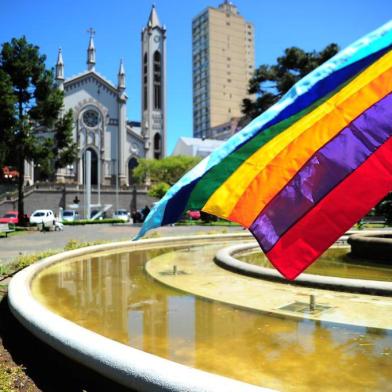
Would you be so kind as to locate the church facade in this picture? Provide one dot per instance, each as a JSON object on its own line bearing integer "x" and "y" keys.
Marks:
{"x": 100, "y": 117}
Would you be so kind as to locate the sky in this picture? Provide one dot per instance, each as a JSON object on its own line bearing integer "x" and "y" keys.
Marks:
{"x": 50, "y": 24}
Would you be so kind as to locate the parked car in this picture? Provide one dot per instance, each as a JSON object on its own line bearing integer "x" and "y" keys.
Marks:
{"x": 10, "y": 217}
{"x": 121, "y": 214}
{"x": 45, "y": 217}
{"x": 95, "y": 212}
{"x": 70, "y": 216}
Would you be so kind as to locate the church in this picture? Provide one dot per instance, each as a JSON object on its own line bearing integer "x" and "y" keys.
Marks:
{"x": 100, "y": 117}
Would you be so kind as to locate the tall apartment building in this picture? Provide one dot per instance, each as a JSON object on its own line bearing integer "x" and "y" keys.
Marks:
{"x": 223, "y": 63}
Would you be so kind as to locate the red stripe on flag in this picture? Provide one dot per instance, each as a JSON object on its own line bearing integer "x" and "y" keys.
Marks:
{"x": 334, "y": 214}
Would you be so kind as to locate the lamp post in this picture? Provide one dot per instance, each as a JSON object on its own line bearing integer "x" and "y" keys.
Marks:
{"x": 134, "y": 199}
{"x": 115, "y": 173}
{"x": 99, "y": 173}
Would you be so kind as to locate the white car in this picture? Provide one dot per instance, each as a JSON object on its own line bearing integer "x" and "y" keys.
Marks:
{"x": 121, "y": 214}
{"x": 70, "y": 215}
{"x": 45, "y": 217}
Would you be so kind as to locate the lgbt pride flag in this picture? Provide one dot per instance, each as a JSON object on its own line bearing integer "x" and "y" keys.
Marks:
{"x": 309, "y": 167}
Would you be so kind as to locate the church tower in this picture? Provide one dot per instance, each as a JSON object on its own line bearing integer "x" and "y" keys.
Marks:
{"x": 60, "y": 71}
{"x": 91, "y": 51}
{"x": 154, "y": 87}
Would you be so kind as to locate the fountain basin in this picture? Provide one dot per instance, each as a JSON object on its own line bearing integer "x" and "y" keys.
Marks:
{"x": 372, "y": 246}
{"x": 226, "y": 259}
{"x": 246, "y": 329}
{"x": 127, "y": 366}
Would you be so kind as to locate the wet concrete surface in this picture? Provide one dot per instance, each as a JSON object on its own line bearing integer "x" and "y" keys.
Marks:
{"x": 207, "y": 280}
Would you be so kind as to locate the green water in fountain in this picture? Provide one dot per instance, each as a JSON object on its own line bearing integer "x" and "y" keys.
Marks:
{"x": 113, "y": 296}
{"x": 334, "y": 262}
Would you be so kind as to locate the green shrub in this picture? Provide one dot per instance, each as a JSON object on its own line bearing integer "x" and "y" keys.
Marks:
{"x": 26, "y": 260}
{"x": 219, "y": 222}
{"x": 92, "y": 222}
{"x": 360, "y": 225}
{"x": 75, "y": 244}
{"x": 5, "y": 269}
{"x": 153, "y": 234}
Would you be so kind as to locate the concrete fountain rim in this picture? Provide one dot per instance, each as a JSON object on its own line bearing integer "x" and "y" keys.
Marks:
{"x": 119, "y": 362}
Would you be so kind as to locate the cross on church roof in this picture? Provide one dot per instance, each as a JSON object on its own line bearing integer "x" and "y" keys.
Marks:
{"x": 91, "y": 31}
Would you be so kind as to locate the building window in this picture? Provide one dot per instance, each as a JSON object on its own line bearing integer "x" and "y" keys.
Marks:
{"x": 145, "y": 81}
{"x": 157, "y": 80}
{"x": 91, "y": 118}
{"x": 157, "y": 146}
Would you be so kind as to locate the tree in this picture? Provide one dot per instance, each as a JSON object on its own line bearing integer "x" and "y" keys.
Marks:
{"x": 163, "y": 173}
{"x": 270, "y": 82}
{"x": 32, "y": 126}
{"x": 158, "y": 190}
{"x": 384, "y": 207}
{"x": 7, "y": 105}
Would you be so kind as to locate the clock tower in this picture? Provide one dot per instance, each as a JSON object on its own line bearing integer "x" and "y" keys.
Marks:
{"x": 154, "y": 87}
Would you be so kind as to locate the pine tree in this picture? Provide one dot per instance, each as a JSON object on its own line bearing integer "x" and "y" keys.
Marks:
{"x": 33, "y": 126}
{"x": 270, "y": 82}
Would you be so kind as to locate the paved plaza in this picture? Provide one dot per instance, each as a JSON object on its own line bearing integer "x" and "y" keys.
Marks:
{"x": 34, "y": 241}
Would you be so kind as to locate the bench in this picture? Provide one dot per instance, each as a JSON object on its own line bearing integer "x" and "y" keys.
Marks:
{"x": 6, "y": 228}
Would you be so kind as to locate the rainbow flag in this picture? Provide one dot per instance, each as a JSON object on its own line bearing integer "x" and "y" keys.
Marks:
{"x": 309, "y": 167}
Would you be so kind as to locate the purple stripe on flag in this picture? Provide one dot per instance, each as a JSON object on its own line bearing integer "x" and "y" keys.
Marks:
{"x": 325, "y": 170}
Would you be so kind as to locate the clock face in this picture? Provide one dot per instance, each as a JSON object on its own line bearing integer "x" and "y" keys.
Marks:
{"x": 91, "y": 118}
{"x": 156, "y": 38}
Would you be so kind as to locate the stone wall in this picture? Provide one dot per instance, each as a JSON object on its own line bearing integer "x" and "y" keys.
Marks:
{"x": 53, "y": 199}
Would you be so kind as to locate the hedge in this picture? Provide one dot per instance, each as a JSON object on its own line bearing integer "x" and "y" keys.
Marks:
{"x": 92, "y": 222}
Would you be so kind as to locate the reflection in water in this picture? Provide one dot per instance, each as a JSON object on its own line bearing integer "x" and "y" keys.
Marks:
{"x": 334, "y": 262}
{"x": 113, "y": 296}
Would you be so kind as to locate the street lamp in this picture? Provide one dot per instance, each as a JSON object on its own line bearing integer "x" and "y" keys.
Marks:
{"x": 115, "y": 173}
{"x": 87, "y": 185}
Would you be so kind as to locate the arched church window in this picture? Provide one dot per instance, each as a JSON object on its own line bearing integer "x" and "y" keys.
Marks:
{"x": 157, "y": 141}
{"x": 145, "y": 81}
{"x": 157, "y": 57}
{"x": 157, "y": 146}
{"x": 157, "y": 80}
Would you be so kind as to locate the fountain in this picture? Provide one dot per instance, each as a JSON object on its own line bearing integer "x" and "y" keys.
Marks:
{"x": 159, "y": 314}
{"x": 339, "y": 272}
{"x": 375, "y": 246}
